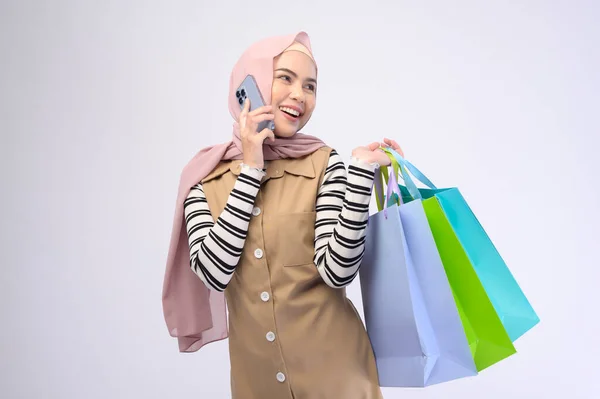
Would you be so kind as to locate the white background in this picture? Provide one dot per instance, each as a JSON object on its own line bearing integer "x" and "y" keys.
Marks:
{"x": 103, "y": 102}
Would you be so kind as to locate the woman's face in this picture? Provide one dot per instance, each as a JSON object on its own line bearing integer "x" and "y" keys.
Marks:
{"x": 293, "y": 94}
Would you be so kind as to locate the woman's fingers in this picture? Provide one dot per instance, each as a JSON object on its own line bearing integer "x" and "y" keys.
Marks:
{"x": 394, "y": 145}
{"x": 244, "y": 116}
{"x": 261, "y": 110}
{"x": 249, "y": 120}
{"x": 266, "y": 132}
{"x": 373, "y": 146}
{"x": 263, "y": 117}
{"x": 245, "y": 108}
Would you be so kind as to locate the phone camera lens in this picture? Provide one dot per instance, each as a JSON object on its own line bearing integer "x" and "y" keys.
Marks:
{"x": 237, "y": 93}
{"x": 243, "y": 92}
{"x": 241, "y": 100}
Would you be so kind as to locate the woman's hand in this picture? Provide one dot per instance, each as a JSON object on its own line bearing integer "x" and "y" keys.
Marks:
{"x": 372, "y": 152}
{"x": 252, "y": 141}
{"x": 394, "y": 145}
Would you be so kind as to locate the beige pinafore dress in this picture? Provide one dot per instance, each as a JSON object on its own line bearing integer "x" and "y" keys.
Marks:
{"x": 290, "y": 334}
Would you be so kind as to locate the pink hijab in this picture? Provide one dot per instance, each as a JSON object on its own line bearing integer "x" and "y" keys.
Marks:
{"x": 194, "y": 314}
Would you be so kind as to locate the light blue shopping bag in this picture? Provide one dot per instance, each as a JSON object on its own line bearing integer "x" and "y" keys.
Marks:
{"x": 509, "y": 301}
{"x": 410, "y": 314}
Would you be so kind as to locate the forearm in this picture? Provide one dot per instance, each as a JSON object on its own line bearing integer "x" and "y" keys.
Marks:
{"x": 342, "y": 215}
{"x": 216, "y": 247}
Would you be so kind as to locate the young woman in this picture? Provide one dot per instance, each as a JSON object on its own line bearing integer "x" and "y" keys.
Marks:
{"x": 272, "y": 224}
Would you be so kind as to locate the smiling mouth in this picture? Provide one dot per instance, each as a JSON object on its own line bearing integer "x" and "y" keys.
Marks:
{"x": 290, "y": 112}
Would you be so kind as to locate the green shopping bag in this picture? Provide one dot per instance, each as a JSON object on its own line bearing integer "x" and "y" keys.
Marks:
{"x": 486, "y": 335}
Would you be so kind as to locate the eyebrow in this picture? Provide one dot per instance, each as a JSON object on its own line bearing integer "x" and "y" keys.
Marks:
{"x": 294, "y": 74}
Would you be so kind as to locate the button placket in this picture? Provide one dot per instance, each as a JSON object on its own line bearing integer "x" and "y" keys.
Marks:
{"x": 266, "y": 296}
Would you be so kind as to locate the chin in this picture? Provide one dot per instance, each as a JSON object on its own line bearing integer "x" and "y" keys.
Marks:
{"x": 284, "y": 133}
{"x": 286, "y": 130}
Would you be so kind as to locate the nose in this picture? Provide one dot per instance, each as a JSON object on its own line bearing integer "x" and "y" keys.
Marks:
{"x": 297, "y": 94}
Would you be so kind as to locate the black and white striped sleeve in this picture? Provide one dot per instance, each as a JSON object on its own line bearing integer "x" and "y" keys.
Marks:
{"x": 216, "y": 248}
{"x": 342, "y": 213}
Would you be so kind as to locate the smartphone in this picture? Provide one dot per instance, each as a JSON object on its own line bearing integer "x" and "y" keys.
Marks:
{"x": 249, "y": 89}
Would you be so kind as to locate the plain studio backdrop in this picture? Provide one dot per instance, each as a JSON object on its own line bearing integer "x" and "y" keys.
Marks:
{"x": 103, "y": 102}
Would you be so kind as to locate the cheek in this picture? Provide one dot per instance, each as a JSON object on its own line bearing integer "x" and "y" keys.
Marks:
{"x": 277, "y": 92}
{"x": 310, "y": 105}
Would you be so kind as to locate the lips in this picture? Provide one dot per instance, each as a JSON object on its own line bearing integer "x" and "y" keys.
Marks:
{"x": 289, "y": 117}
{"x": 291, "y": 110}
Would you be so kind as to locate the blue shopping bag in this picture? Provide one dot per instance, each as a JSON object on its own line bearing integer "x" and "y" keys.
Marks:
{"x": 512, "y": 306}
{"x": 410, "y": 314}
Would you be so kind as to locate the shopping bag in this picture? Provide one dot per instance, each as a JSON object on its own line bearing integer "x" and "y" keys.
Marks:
{"x": 465, "y": 245}
{"x": 511, "y": 304}
{"x": 411, "y": 319}
{"x": 489, "y": 340}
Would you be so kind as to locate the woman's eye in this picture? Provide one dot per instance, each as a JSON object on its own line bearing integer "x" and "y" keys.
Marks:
{"x": 284, "y": 77}
{"x": 311, "y": 87}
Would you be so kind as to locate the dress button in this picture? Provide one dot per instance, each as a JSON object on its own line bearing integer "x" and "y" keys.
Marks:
{"x": 280, "y": 377}
{"x": 264, "y": 296}
{"x": 258, "y": 253}
{"x": 270, "y": 336}
{"x": 256, "y": 211}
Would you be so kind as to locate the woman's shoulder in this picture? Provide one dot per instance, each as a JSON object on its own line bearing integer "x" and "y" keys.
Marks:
{"x": 324, "y": 159}
{"x": 328, "y": 155}
{"x": 324, "y": 153}
{"x": 320, "y": 157}
{"x": 221, "y": 168}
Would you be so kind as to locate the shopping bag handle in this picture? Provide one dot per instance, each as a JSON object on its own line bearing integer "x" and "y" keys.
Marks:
{"x": 392, "y": 187}
{"x": 413, "y": 169}
{"x": 406, "y": 166}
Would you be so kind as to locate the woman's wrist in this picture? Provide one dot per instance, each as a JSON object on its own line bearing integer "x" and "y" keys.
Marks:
{"x": 253, "y": 165}
{"x": 365, "y": 162}
{"x": 251, "y": 169}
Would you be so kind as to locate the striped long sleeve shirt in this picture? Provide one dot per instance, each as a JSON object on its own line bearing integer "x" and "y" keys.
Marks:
{"x": 342, "y": 211}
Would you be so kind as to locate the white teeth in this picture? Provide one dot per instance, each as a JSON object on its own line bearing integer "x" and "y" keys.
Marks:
{"x": 290, "y": 111}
